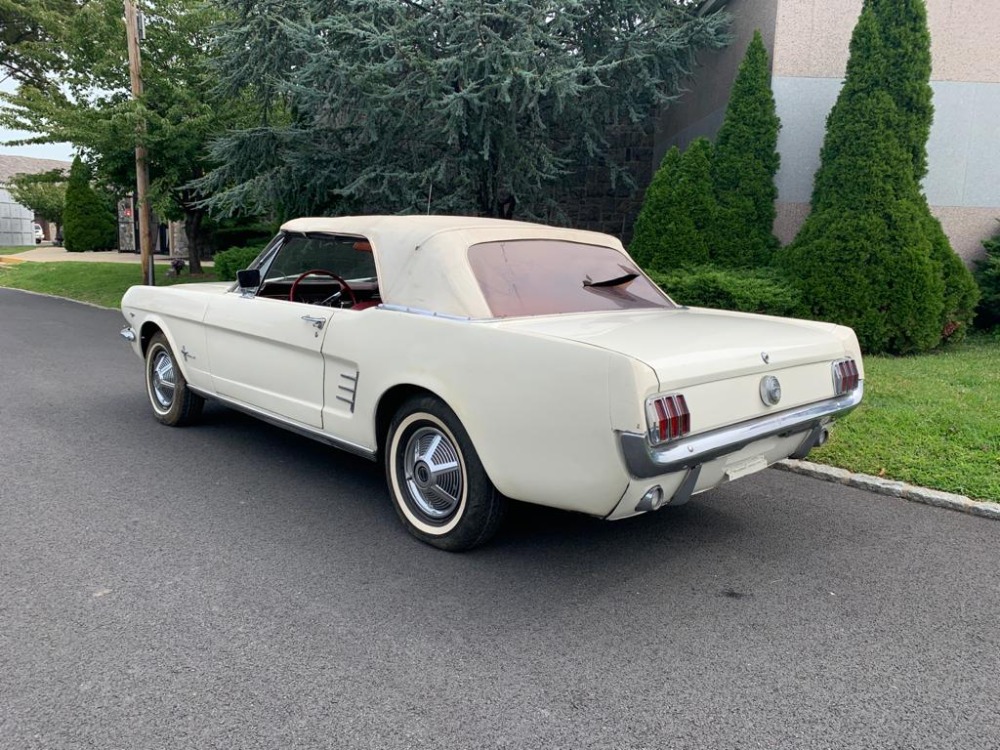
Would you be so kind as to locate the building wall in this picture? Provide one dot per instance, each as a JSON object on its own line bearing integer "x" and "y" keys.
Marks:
{"x": 963, "y": 180}
{"x": 16, "y": 223}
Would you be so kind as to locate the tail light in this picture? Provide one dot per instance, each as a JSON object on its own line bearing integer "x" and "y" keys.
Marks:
{"x": 845, "y": 376}
{"x": 667, "y": 418}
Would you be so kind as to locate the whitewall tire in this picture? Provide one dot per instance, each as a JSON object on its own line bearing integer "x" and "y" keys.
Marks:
{"x": 438, "y": 485}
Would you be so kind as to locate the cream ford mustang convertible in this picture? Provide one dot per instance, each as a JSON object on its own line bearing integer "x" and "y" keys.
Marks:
{"x": 483, "y": 360}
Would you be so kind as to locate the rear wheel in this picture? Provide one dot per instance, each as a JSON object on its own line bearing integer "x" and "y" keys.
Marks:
{"x": 173, "y": 402}
{"x": 438, "y": 485}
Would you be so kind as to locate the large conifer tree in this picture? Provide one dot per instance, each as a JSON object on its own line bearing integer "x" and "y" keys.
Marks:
{"x": 871, "y": 255}
{"x": 744, "y": 165}
{"x": 380, "y": 105}
{"x": 862, "y": 255}
{"x": 906, "y": 44}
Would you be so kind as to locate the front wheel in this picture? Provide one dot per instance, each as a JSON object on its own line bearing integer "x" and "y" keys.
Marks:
{"x": 438, "y": 485}
{"x": 173, "y": 402}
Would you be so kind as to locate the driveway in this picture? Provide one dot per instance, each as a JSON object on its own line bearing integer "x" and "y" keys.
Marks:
{"x": 234, "y": 586}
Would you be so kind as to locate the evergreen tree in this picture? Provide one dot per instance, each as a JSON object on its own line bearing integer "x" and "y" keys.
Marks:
{"x": 988, "y": 279}
{"x": 380, "y": 105}
{"x": 906, "y": 41}
{"x": 864, "y": 256}
{"x": 745, "y": 163}
{"x": 88, "y": 224}
{"x": 678, "y": 207}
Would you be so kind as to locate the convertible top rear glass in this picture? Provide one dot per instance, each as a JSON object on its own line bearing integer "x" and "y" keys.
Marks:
{"x": 548, "y": 277}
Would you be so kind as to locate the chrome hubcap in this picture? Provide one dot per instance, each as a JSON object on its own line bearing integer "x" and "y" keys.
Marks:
{"x": 162, "y": 379}
{"x": 433, "y": 473}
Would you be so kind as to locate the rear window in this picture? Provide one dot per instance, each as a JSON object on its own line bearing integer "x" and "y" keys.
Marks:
{"x": 547, "y": 277}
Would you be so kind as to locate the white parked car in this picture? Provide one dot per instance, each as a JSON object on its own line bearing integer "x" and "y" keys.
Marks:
{"x": 483, "y": 360}
{"x": 39, "y": 234}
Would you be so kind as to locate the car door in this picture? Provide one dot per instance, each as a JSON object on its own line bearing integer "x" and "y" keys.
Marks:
{"x": 266, "y": 353}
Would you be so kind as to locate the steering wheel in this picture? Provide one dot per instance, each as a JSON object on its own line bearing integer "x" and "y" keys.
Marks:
{"x": 344, "y": 286}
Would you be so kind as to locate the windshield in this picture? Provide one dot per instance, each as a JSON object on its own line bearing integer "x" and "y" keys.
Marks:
{"x": 547, "y": 277}
{"x": 349, "y": 257}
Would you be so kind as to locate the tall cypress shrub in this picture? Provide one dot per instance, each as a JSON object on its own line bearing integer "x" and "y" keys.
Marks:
{"x": 864, "y": 256}
{"x": 906, "y": 42}
{"x": 87, "y": 222}
{"x": 744, "y": 165}
{"x": 678, "y": 206}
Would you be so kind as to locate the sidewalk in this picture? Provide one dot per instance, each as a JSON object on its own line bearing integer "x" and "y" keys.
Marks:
{"x": 53, "y": 254}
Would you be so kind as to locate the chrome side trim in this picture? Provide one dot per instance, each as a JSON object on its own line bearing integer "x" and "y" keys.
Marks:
{"x": 127, "y": 333}
{"x": 644, "y": 461}
{"x": 421, "y": 311}
{"x": 299, "y": 429}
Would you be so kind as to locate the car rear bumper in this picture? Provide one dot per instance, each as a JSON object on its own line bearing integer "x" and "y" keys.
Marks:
{"x": 644, "y": 461}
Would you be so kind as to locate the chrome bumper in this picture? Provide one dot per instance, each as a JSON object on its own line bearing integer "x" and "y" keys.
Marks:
{"x": 644, "y": 461}
{"x": 127, "y": 333}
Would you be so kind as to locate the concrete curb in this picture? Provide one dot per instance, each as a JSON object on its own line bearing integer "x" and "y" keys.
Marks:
{"x": 892, "y": 488}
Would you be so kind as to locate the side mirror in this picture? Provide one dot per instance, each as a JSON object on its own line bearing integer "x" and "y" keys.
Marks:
{"x": 248, "y": 279}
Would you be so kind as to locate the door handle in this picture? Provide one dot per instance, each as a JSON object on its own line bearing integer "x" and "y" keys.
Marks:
{"x": 318, "y": 323}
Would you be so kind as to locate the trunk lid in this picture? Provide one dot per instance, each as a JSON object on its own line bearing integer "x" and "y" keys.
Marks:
{"x": 697, "y": 345}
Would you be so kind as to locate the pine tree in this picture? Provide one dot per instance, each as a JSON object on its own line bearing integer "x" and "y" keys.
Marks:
{"x": 87, "y": 222}
{"x": 745, "y": 163}
{"x": 676, "y": 212}
{"x": 864, "y": 256}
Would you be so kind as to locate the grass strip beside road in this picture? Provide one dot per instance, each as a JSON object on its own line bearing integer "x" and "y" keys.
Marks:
{"x": 931, "y": 420}
{"x": 16, "y": 250}
{"x": 98, "y": 283}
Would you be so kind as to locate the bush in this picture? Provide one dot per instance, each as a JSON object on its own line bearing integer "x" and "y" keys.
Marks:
{"x": 762, "y": 291}
{"x": 871, "y": 270}
{"x": 88, "y": 222}
{"x": 988, "y": 277}
{"x": 228, "y": 262}
{"x": 669, "y": 229}
{"x": 960, "y": 291}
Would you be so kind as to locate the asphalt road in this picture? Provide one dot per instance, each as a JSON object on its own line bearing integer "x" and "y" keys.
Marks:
{"x": 234, "y": 586}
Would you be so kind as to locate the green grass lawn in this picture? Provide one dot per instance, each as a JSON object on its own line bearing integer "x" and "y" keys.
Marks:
{"x": 99, "y": 283}
{"x": 932, "y": 420}
{"x": 16, "y": 250}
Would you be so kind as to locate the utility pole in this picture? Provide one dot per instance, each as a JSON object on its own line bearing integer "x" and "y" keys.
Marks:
{"x": 141, "y": 165}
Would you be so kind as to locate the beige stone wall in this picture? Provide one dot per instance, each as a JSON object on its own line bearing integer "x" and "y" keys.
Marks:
{"x": 967, "y": 228}
{"x": 813, "y": 37}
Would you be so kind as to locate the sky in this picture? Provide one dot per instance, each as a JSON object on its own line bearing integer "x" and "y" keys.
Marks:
{"x": 63, "y": 151}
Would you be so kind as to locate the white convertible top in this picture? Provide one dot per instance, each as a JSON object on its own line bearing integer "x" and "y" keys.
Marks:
{"x": 422, "y": 260}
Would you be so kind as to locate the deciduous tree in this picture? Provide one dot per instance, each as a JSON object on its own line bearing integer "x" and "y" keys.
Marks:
{"x": 86, "y": 100}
